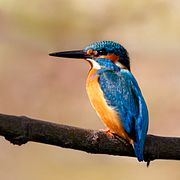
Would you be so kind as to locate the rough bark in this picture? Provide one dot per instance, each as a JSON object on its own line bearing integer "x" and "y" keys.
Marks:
{"x": 20, "y": 129}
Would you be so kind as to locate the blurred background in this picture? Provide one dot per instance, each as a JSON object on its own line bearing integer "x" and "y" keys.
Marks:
{"x": 53, "y": 89}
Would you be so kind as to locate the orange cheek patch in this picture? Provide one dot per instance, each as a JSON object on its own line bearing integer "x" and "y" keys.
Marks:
{"x": 89, "y": 51}
{"x": 112, "y": 57}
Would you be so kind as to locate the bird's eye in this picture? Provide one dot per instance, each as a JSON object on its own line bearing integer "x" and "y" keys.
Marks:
{"x": 96, "y": 53}
{"x": 102, "y": 52}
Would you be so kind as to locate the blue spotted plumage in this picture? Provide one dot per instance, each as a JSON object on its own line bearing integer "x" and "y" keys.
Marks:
{"x": 113, "y": 91}
{"x": 122, "y": 93}
{"x": 111, "y": 47}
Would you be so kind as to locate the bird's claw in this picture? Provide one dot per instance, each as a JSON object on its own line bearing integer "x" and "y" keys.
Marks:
{"x": 107, "y": 131}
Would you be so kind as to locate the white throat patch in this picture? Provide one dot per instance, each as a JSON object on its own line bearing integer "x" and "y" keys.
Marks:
{"x": 120, "y": 65}
{"x": 95, "y": 64}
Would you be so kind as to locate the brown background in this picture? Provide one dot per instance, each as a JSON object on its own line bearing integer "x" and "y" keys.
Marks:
{"x": 39, "y": 86}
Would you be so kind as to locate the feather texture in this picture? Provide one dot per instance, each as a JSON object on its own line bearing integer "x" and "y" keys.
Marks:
{"x": 123, "y": 95}
{"x": 109, "y": 116}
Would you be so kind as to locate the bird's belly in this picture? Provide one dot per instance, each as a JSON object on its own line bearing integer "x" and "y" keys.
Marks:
{"x": 108, "y": 115}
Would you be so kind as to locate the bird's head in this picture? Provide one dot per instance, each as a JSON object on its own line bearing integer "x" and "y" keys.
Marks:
{"x": 98, "y": 50}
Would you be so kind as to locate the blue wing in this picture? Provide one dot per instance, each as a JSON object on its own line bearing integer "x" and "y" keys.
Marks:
{"x": 123, "y": 94}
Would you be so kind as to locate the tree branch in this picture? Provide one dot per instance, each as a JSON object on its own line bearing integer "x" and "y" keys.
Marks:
{"x": 20, "y": 129}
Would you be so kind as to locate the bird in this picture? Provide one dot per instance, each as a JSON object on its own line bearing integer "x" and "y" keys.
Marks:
{"x": 114, "y": 92}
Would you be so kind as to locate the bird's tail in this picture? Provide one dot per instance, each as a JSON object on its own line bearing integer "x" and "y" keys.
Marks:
{"x": 139, "y": 150}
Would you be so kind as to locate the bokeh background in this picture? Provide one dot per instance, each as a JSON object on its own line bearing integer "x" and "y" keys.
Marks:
{"x": 53, "y": 89}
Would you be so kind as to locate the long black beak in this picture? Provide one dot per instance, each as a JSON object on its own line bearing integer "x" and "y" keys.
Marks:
{"x": 79, "y": 54}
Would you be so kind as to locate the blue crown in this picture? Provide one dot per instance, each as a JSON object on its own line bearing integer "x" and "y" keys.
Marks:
{"x": 111, "y": 47}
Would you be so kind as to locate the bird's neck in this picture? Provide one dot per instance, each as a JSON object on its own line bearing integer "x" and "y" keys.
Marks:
{"x": 92, "y": 74}
{"x": 94, "y": 64}
{"x": 121, "y": 65}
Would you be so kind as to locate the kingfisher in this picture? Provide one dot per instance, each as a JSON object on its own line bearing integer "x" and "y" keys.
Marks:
{"x": 114, "y": 92}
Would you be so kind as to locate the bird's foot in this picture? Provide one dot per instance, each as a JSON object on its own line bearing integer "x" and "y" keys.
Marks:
{"x": 107, "y": 131}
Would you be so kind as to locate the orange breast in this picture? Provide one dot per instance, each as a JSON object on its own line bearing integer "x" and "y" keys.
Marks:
{"x": 109, "y": 116}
